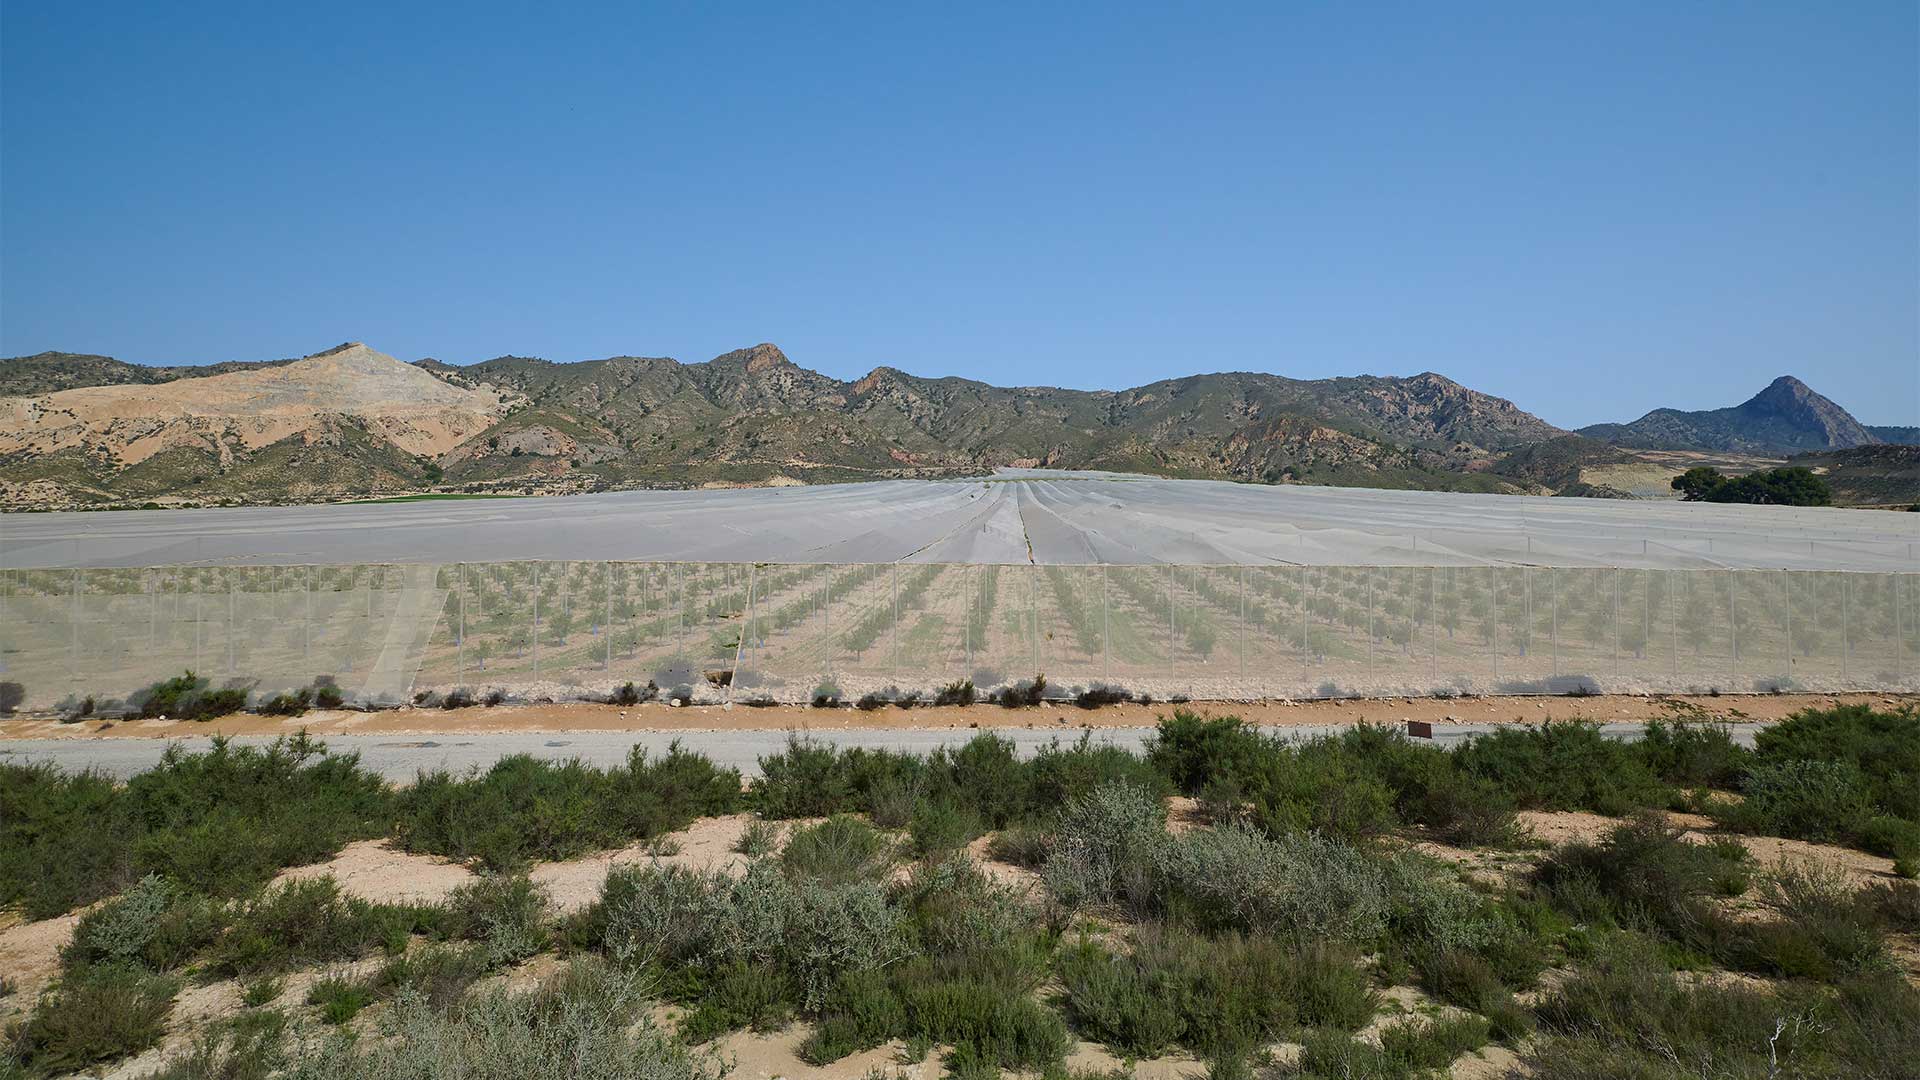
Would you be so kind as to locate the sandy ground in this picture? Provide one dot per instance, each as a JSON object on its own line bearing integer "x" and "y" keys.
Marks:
{"x": 581, "y": 716}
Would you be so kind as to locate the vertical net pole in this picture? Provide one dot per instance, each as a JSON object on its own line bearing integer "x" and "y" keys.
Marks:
{"x": 1616, "y": 623}
{"x": 536, "y": 622}
{"x": 1553, "y": 589}
{"x": 1370, "y": 626}
{"x": 606, "y": 622}
{"x": 1786, "y": 591}
{"x": 460, "y": 638}
{"x": 306, "y": 644}
{"x": 231, "y": 628}
{"x": 1106, "y": 629}
{"x": 1846, "y": 634}
{"x": 893, "y": 636}
{"x": 1033, "y": 613}
{"x": 1433, "y": 628}
{"x": 73, "y": 631}
{"x": 1170, "y": 669}
{"x": 1243, "y": 624}
{"x": 746, "y": 630}
{"x": 1733, "y": 624}
{"x": 973, "y": 576}
{"x": 1305, "y": 609}
{"x": 1673, "y": 619}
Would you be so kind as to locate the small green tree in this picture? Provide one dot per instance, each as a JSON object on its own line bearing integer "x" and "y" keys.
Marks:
{"x": 1697, "y": 483}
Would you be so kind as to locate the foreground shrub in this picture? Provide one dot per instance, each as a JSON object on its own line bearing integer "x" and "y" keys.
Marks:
{"x": 1824, "y": 801}
{"x": 308, "y": 922}
{"x": 508, "y": 916}
{"x": 1625, "y": 1015}
{"x": 219, "y": 823}
{"x": 155, "y": 925}
{"x": 1567, "y": 765}
{"x": 1236, "y": 877}
{"x": 1108, "y": 844}
{"x": 250, "y": 1046}
{"x": 96, "y": 1014}
{"x": 800, "y": 930}
{"x": 1644, "y": 876}
{"x": 1408, "y": 1050}
{"x": 1693, "y": 754}
{"x": 525, "y": 809}
{"x": 588, "y": 1020}
{"x": 838, "y": 850}
{"x": 1209, "y": 995}
{"x": 1884, "y": 745}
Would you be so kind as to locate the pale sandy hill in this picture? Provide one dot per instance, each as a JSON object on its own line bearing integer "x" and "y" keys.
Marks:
{"x": 407, "y": 406}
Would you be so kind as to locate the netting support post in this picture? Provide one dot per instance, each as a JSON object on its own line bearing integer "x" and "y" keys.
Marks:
{"x": 536, "y": 622}
{"x": 1106, "y": 629}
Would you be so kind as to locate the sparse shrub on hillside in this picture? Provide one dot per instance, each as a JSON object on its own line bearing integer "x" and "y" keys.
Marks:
{"x": 1624, "y": 1014}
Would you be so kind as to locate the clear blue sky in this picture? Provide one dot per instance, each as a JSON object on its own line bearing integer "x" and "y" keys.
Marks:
{"x": 1591, "y": 209}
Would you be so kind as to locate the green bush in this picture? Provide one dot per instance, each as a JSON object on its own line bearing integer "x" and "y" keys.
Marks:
{"x": 1884, "y": 745}
{"x": 1693, "y": 754}
{"x": 307, "y": 922}
{"x": 96, "y": 1014}
{"x": 339, "y": 997}
{"x": 1235, "y": 877}
{"x": 736, "y": 996}
{"x": 1823, "y": 801}
{"x": 841, "y": 849}
{"x": 524, "y": 809}
{"x": 1210, "y": 995}
{"x": 155, "y": 925}
{"x": 508, "y": 916}
{"x": 1894, "y": 837}
{"x": 1191, "y": 749}
{"x": 437, "y": 972}
{"x": 1643, "y": 875}
{"x": 585, "y": 1021}
{"x": 220, "y": 822}
{"x": 250, "y": 1046}
{"x": 1625, "y": 1015}
{"x": 939, "y": 826}
{"x": 188, "y": 697}
{"x": 287, "y": 704}
{"x": 65, "y": 839}
{"x": 1567, "y": 765}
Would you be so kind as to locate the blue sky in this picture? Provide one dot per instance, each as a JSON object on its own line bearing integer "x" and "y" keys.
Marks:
{"x": 1590, "y": 209}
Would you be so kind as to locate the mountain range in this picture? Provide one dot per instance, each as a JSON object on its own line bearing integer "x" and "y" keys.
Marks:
{"x": 81, "y": 430}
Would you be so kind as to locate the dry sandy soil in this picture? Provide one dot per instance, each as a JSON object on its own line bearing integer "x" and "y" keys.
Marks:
{"x": 581, "y": 716}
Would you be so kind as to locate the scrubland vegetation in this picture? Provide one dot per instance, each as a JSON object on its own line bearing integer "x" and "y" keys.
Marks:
{"x": 1258, "y": 928}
